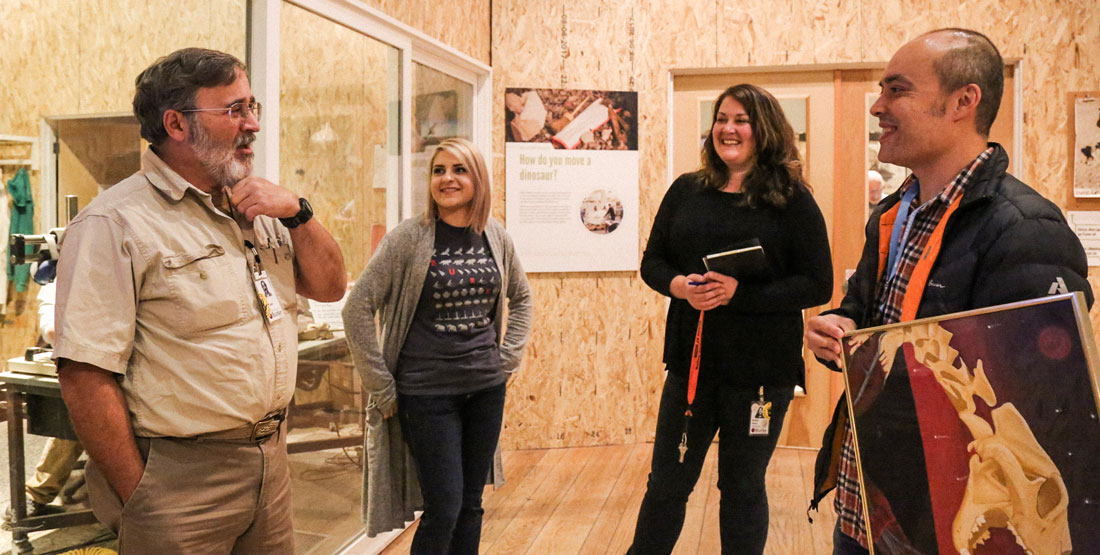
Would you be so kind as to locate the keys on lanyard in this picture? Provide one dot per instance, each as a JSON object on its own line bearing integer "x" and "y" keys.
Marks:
{"x": 265, "y": 289}
{"x": 760, "y": 416}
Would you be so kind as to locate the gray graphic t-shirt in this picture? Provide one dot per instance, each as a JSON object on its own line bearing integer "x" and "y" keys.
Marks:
{"x": 451, "y": 347}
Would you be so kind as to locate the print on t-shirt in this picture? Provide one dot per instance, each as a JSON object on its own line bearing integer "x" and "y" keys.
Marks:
{"x": 465, "y": 284}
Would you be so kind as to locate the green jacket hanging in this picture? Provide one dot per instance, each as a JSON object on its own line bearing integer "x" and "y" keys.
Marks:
{"x": 22, "y": 221}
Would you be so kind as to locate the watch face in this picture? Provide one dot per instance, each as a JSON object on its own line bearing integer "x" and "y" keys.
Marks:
{"x": 305, "y": 213}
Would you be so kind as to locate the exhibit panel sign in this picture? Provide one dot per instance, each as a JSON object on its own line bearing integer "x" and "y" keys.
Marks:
{"x": 1086, "y": 224}
{"x": 571, "y": 171}
{"x": 1086, "y": 146}
{"x": 977, "y": 432}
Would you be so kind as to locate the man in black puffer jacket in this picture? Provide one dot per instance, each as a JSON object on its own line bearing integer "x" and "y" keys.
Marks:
{"x": 959, "y": 234}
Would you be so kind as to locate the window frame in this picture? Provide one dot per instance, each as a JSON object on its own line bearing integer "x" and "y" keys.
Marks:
{"x": 413, "y": 46}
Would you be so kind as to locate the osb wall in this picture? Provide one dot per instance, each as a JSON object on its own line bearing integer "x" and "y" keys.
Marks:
{"x": 593, "y": 374}
{"x": 66, "y": 58}
{"x": 462, "y": 25}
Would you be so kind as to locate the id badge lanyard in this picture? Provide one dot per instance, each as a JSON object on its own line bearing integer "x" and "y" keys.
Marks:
{"x": 693, "y": 381}
{"x": 265, "y": 290}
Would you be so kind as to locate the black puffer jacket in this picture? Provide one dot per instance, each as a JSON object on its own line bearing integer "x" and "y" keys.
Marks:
{"x": 1004, "y": 243}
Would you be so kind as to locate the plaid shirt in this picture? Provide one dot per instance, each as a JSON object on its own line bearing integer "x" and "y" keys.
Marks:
{"x": 888, "y": 298}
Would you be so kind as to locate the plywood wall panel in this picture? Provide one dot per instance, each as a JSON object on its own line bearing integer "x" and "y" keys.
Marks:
{"x": 462, "y": 25}
{"x": 675, "y": 33}
{"x": 761, "y": 32}
{"x": 823, "y": 32}
{"x": 551, "y": 404}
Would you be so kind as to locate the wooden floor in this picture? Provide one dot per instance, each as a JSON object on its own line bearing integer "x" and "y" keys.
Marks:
{"x": 585, "y": 500}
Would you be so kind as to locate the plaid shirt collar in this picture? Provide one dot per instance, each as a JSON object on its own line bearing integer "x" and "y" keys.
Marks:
{"x": 957, "y": 186}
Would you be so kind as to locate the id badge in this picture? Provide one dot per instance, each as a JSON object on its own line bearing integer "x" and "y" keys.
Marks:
{"x": 265, "y": 292}
{"x": 760, "y": 418}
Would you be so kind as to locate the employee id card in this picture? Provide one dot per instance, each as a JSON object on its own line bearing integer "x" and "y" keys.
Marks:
{"x": 760, "y": 416}
{"x": 265, "y": 292}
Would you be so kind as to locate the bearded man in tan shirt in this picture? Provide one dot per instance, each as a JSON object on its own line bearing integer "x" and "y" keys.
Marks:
{"x": 176, "y": 335}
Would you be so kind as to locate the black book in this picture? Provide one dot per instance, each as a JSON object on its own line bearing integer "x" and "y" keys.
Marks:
{"x": 740, "y": 263}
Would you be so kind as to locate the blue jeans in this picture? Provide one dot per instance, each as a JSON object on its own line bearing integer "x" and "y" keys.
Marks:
{"x": 452, "y": 439}
{"x": 742, "y": 465}
{"x": 844, "y": 545}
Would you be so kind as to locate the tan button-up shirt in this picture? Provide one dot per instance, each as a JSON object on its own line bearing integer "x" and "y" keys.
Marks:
{"x": 155, "y": 283}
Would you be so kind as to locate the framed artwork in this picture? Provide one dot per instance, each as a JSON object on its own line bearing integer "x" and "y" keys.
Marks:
{"x": 1085, "y": 144}
{"x": 977, "y": 432}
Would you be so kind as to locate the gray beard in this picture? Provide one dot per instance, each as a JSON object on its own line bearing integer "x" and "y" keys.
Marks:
{"x": 221, "y": 163}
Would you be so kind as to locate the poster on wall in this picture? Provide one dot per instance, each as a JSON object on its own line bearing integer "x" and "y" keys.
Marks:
{"x": 571, "y": 168}
{"x": 977, "y": 432}
{"x": 1086, "y": 224}
{"x": 1086, "y": 146}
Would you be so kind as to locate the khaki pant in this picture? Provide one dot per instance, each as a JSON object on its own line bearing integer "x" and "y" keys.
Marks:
{"x": 57, "y": 462}
{"x": 202, "y": 497}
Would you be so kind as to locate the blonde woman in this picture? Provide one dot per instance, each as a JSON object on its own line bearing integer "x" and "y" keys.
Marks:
{"x": 440, "y": 359}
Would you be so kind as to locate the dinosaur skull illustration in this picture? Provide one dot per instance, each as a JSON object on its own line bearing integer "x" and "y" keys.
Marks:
{"x": 1013, "y": 483}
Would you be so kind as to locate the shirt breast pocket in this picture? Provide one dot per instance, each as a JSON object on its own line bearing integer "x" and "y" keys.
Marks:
{"x": 207, "y": 288}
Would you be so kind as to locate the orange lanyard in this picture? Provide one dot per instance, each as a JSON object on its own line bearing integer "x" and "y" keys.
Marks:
{"x": 693, "y": 382}
{"x": 696, "y": 354}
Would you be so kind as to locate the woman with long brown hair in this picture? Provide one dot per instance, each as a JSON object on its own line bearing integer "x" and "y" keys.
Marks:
{"x": 750, "y": 190}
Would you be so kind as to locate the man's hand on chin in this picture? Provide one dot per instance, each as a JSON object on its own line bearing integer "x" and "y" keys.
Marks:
{"x": 254, "y": 196}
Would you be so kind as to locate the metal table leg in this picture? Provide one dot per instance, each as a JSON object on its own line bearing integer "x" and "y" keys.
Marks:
{"x": 16, "y": 473}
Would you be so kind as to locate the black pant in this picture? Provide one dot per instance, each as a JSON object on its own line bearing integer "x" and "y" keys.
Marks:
{"x": 452, "y": 439}
{"x": 844, "y": 545}
{"x": 742, "y": 464}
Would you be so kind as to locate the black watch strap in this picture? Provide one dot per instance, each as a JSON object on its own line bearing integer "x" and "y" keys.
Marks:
{"x": 305, "y": 212}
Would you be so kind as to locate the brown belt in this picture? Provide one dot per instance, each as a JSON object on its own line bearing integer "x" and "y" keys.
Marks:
{"x": 257, "y": 432}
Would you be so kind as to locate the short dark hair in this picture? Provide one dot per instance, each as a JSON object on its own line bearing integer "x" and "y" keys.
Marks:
{"x": 976, "y": 61}
{"x": 777, "y": 169}
{"x": 172, "y": 82}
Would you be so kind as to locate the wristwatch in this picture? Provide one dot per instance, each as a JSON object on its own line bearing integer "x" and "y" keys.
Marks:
{"x": 305, "y": 212}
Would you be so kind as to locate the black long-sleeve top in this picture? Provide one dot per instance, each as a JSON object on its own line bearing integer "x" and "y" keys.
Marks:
{"x": 757, "y": 338}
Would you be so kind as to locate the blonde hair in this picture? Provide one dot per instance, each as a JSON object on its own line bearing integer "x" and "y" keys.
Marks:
{"x": 468, "y": 155}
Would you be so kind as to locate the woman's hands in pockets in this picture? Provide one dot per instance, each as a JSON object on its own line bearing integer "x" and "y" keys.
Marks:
{"x": 385, "y": 401}
{"x": 706, "y": 291}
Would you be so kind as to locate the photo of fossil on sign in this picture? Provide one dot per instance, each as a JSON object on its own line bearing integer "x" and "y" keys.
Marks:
{"x": 572, "y": 119}
{"x": 976, "y": 432}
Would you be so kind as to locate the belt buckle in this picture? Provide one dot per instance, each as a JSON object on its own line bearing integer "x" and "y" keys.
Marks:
{"x": 264, "y": 429}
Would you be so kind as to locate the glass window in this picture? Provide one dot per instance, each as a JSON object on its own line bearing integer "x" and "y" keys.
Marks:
{"x": 338, "y": 147}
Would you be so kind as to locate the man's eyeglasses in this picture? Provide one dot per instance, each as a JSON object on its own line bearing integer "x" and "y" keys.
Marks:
{"x": 236, "y": 111}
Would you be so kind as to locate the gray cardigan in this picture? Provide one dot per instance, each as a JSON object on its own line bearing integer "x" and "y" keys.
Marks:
{"x": 390, "y": 288}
